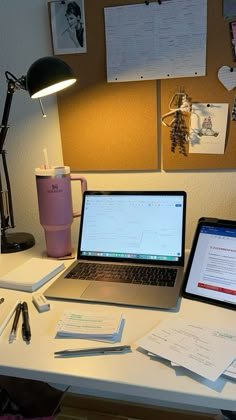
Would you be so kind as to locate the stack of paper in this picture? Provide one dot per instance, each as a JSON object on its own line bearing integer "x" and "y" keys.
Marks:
{"x": 91, "y": 326}
{"x": 231, "y": 371}
{"x": 206, "y": 351}
{"x": 31, "y": 275}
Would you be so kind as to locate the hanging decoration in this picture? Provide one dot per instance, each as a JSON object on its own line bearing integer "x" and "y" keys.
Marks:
{"x": 180, "y": 108}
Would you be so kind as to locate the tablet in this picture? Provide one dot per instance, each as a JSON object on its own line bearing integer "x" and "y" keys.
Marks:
{"x": 210, "y": 275}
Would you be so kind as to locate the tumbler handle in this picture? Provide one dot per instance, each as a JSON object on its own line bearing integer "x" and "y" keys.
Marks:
{"x": 83, "y": 181}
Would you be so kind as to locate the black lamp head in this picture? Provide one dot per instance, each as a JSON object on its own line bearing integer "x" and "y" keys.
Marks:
{"x": 48, "y": 75}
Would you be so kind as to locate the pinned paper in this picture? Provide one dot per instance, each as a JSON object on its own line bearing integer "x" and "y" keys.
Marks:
{"x": 233, "y": 112}
{"x": 208, "y": 125}
{"x": 227, "y": 76}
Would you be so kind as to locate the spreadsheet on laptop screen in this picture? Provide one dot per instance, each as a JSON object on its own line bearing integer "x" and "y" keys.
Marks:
{"x": 133, "y": 226}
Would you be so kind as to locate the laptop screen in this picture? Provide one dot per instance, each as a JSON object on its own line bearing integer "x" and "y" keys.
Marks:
{"x": 133, "y": 226}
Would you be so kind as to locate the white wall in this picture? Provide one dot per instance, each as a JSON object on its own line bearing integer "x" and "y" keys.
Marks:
{"x": 24, "y": 37}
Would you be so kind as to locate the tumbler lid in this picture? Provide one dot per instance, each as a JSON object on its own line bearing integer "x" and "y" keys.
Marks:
{"x": 54, "y": 171}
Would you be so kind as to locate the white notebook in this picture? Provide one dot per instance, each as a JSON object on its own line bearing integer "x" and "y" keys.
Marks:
{"x": 31, "y": 275}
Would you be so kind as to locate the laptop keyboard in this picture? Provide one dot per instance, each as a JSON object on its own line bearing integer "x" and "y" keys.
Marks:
{"x": 153, "y": 276}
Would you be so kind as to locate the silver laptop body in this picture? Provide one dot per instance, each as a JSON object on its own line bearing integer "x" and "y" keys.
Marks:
{"x": 128, "y": 230}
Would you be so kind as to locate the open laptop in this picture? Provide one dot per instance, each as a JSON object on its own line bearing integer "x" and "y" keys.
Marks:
{"x": 211, "y": 270}
{"x": 138, "y": 234}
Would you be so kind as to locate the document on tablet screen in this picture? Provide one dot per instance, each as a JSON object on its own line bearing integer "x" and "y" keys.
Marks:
{"x": 213, "y": 269}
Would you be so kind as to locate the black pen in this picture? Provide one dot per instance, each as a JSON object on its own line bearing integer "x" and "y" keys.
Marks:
{"x": 12, "y": 335}
{"x": 25, "y": 326}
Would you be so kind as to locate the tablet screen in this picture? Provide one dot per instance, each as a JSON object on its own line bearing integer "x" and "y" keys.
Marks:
{"x": 211, "y": 271}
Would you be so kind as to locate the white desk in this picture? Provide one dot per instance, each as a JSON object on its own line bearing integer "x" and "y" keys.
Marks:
{"x": 129, "y": 377}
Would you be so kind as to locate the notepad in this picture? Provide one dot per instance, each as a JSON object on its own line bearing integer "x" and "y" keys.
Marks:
{"x": 91, "y": 326}
{"x": 31, "y": 275}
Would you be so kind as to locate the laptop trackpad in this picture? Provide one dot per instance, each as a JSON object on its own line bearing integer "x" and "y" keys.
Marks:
{"x": 110, "y": 292}
{"x": 67, "y": 288}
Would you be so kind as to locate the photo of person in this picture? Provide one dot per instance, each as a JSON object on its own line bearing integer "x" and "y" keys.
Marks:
{"x": 68, "y": 27}
{"x": 75, "y": 28}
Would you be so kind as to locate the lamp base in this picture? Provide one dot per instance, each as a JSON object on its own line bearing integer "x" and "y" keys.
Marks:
{"x": 15, "y": 242}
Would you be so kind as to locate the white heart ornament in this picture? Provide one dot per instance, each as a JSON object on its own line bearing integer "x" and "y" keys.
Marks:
{"x": 227, "y": 76}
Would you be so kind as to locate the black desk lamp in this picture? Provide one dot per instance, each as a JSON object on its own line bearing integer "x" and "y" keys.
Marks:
{"x": 44, "y": 77}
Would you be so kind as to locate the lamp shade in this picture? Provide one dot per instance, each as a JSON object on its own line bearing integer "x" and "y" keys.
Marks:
{"x": 48, "y": 75}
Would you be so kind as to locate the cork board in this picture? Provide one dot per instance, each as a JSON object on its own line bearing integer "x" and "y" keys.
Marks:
{"x": 106, "y": 126}
{"x": 207, "y": 89}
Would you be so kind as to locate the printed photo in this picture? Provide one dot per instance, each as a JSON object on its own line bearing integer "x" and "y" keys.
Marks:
{"x": 232, "y": 26}
{"x": 208, "y": 126}
{"x": 68, "y": 27}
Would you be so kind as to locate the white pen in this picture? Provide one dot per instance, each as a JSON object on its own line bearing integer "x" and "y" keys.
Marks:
{"x": 8, "y": 317}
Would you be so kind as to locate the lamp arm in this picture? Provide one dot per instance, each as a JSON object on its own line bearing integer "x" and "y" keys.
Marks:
{"x": 6, "y": 207}
{"x": 4, "y": 125}
{"x": 11, "y": 222}
{"x": 2, "y": 211}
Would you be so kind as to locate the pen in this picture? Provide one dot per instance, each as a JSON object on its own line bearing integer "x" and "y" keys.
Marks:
{"x": 91, "y": 351}
{"x": 25, "y": 326}
{"x": 8, "y": 317}
{"x": 12, "y": 335}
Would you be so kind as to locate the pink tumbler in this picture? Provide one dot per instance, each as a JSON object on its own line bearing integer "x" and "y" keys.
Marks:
{"x": 55, "y": 207}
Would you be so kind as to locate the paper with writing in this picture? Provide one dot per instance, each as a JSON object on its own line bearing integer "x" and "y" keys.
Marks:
{"x": 154, "y": 41}
{"x": 202, "y": 350}
{"x": 90, "y": 326}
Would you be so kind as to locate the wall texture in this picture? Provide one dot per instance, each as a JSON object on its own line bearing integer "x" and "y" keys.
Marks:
{"x": 24, "y": 37}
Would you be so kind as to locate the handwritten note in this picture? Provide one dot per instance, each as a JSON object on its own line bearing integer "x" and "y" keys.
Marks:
{"x": 91, "y": 326}
{"x": 205, "y": 351}
{"x": 156, "y": 41}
